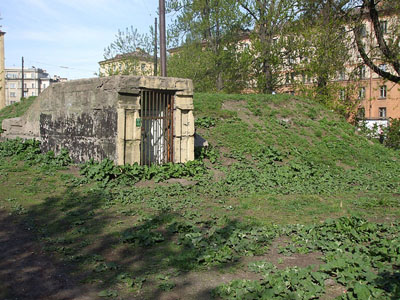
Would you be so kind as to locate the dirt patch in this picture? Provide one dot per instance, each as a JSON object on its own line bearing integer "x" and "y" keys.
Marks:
{"x": 282, "y": 261}
{"x": 199, "y": 285}
{"x": 218, "y": 175}
{"x": 242, "y": 112}
{"x": 344, "y": 166}
{"x": 26, "y": 272}
{"x": 333, "y": 290}
{"x": 152, "y": 183}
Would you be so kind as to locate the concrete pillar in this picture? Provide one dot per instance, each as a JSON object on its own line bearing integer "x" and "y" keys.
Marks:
{"x": 2, "y": 72}
{"x": 183, "y": 128}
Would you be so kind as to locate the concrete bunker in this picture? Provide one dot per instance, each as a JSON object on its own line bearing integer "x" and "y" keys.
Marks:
{"x": 128, "y": 119}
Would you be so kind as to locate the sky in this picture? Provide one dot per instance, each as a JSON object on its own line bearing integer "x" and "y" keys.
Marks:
{"x": 67, "y": 37}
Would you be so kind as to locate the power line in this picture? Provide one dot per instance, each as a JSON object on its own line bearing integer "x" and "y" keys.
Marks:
{"x": 147, "y": 8}
{"x": 61, "y": 67}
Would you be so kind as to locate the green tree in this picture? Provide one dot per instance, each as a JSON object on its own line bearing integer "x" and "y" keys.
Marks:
{"x": 208, "y": 32}
{"x": 127, "y": 50}
{"x": 271, "y": 22}
{"x": 324, "y": 54}
{"x": 393, "y": 134}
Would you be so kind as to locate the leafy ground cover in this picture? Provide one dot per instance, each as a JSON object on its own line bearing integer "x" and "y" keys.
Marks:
{"x": 289, "y": 202}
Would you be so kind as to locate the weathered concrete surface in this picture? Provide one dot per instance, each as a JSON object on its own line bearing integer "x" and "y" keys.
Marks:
{"x": 94, "y": 118}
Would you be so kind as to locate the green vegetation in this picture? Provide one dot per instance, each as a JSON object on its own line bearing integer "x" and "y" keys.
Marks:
{"x": 16, "y": 109}
{"x": 393, "y": 134}
{"x": 284, "y": 180}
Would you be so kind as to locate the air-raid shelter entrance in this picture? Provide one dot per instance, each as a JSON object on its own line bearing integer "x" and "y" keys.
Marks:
{"x": 157, "y": 127}
{"x": 158, "y": 123}
{"x": 128, "y": 119}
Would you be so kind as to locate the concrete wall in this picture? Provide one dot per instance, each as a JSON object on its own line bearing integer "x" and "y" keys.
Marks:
{"x": 96, "y": 118}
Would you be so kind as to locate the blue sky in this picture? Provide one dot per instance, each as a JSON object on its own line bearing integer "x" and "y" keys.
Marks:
{"x": 68, "y": 37}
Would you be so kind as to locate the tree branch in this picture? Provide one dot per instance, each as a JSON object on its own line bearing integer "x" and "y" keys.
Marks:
{"x": 373, "y": 13}
{"x": 368, "y": 61}
{"x": 246, "y": 8}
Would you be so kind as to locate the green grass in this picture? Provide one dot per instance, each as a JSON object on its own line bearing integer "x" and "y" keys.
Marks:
{"x": 275, "y": 162}
{"x": 15, "y": 110}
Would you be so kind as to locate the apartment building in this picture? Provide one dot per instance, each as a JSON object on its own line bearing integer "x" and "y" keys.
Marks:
{"x": 375, "y": 98}
{"x": 35, "y": 81}
{"x": 379, "y": 98}
{"x": 138, "y": 63}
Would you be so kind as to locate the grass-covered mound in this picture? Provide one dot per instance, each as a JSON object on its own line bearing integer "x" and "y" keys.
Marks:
{"x": 228, "y": 229}
{"x": 15, "y": 110}
{"x": 283, "y": 145}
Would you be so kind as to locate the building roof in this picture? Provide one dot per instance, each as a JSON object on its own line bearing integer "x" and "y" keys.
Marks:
{"x": 139, "y": 54}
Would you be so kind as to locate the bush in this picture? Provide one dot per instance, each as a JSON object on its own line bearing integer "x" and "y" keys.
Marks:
{"x": 393, "y": 134}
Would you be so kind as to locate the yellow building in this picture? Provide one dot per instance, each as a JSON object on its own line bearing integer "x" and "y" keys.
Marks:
{"x": 137, "y": 63}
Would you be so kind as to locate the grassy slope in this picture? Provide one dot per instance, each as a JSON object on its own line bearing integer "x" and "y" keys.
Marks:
{"x": 282, "y": 160}
{"x": 320, "y": 153}
{"x": 15, "y": 110}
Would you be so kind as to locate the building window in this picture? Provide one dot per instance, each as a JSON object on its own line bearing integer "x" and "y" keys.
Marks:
{"x": 382, "y": 112}
{"x": 33, "y": 94}
{"x": 361, "y": 113}
{"x": 25, "y": 85}
{"x": 25, "y": 94}
{"x": 361, "y": 93}
{"x": 33, "y": 85}
{"x": 382, "y": 67}
{"x": 12, "y": 85}
{"x": 362, "y": 72}
{"x": 12, "y": 95}
{"x": 287, "y": 80}
{"x": 143, "y": 67}
{"x": 382, "y": 92}
{"x": 342, "y": 75}
{"x": 383, "y": 25}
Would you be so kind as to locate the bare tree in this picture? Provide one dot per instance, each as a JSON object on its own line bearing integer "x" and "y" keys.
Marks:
{"x": 384, "y": 44}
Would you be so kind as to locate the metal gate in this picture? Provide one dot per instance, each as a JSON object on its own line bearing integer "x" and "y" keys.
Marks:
{"x": 156, "y": 113}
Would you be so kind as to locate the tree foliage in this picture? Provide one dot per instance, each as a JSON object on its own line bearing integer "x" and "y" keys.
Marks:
{"x": 208, "y": 32}
{"x": 271, "y": 21}
{"x": 126, "y": 52}
{"x": 393, "y": 134}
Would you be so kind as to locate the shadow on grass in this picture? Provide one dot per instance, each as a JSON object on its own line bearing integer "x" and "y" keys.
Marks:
{"x": 390, "y": 282}
{"x": 109, "y": 254}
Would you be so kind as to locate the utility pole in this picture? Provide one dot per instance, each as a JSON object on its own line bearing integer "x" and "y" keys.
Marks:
{"x": 163, "y": 42}
{"x": 22, "y": 88}
{"x": 38, "y": 82}
{"x": 155, "y": 47}
{"x": 2, "y": 72}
